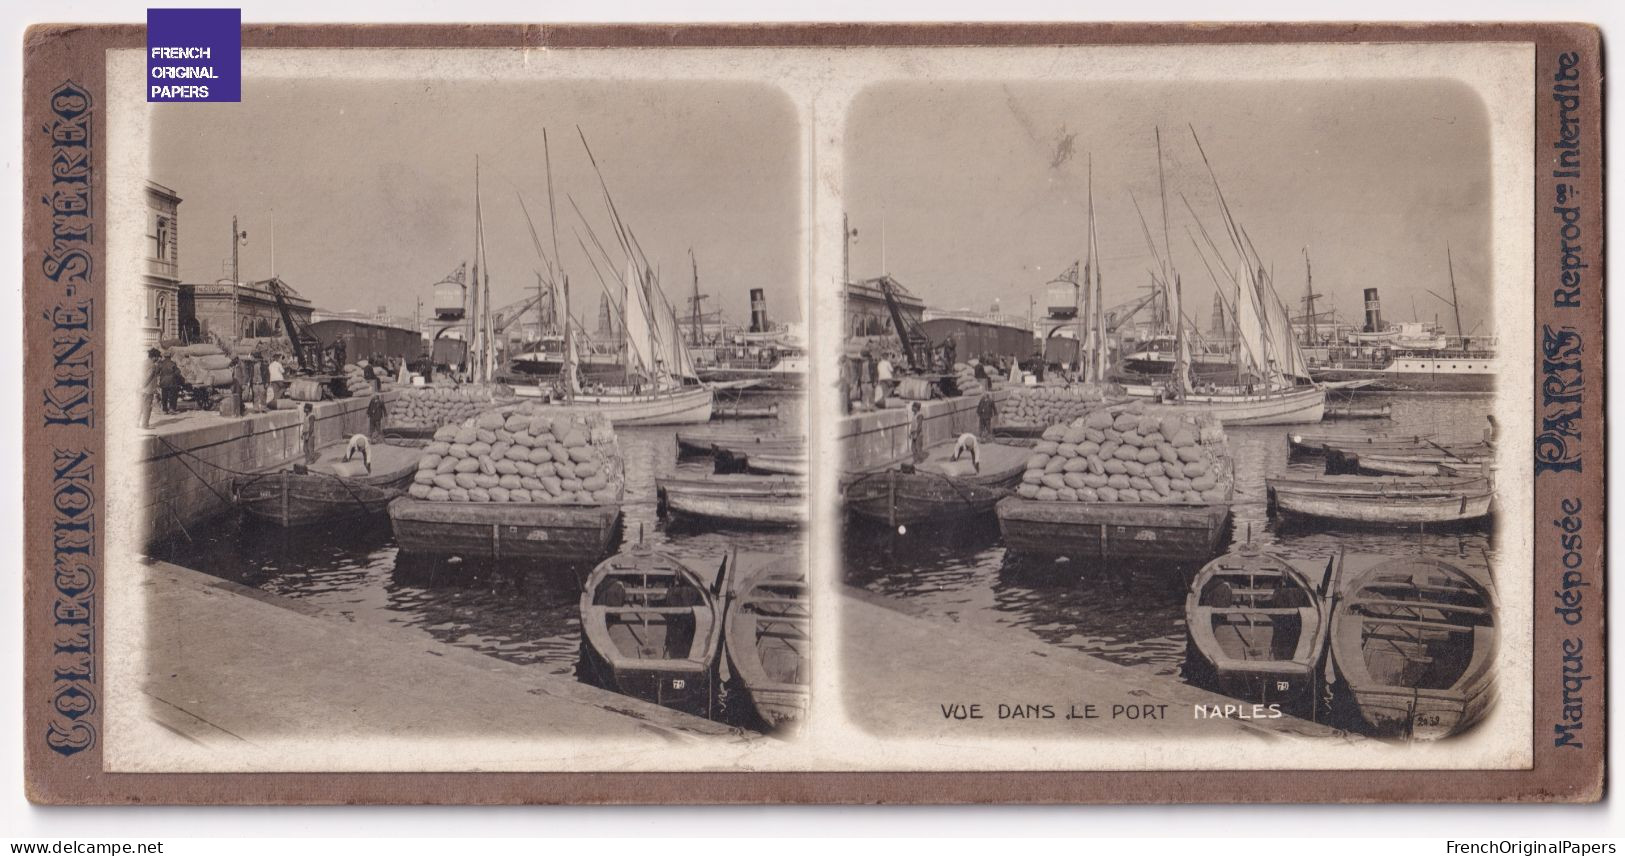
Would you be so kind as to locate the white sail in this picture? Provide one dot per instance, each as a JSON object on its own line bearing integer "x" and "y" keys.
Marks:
{"x": 1288, "y": 355}
{"x": 1251, "y": 357}
{"x": 635, "y": 328}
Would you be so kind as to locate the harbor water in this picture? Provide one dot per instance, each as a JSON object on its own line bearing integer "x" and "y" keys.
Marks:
{"x": 525, "y": 613}
{"x": 1134, "y": 615}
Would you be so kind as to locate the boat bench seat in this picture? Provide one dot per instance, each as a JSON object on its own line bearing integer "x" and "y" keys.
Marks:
{"x": 1411, "y": 604}
{"x": 1413, "y": 622}
{"x": 1255, "y": 610}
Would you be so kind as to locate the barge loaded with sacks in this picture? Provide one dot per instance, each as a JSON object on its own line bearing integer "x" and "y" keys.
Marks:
{"x": 531, "y": 482}
{"x": 1124, "y": 482}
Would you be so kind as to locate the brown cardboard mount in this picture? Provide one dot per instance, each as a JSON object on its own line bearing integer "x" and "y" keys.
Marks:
{"x": 64, "y": 275}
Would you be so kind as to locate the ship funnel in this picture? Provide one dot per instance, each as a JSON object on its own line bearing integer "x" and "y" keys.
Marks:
{"x": 1373, "y": 312}
{"x": 758, "y": 311}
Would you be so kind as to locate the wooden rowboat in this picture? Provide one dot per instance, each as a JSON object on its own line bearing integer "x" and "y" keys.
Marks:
{"x": 1463, "y": 505}
{"x": 1374, "y": 485}
{"x": 1257, "y": 626}
{"x": 320, "y": 495}
{"x": 937, "y": 490}
{"x": 749, "y": 500}
{"x": 789, "y": 464}
{"x": 1414, "y": 460}
{"x": 769, "y": 642}
{"x": 1413, "y": 642}
{"x": 504, "y": 530}
{"x": 1359, "y": 411}
{"x": 651, "y": 628}
{"x": 1315, "y": 442}
{"x": 737, "y": 443}
{"x": 744, "y": 411}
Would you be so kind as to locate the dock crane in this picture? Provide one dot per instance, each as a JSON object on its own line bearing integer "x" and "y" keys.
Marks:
{"x": 307, "y": 349}
{"x": 916, "y": 345}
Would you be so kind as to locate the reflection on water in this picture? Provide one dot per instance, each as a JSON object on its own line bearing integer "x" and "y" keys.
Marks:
{"x": 1134, "y": 614}
{"x": 522, "y": 612}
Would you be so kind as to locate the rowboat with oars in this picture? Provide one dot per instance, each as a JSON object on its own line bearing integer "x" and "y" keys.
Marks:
{"x": 330, "y": 489}
{"x": 747, "y": 500}
{"x": 769, "y": 641}
{"x": 1256, "y": 627}
{"x": 1352, "y": 410}
{"x": 1421, "y": 459}
{"x": 1413, "y": 642}
{"x": 1373, "y": 485}
{"x": 737, "y": 443}
{"x": 1314, "y": 443}
{"x": 787, "y": 464}
{"x": 1465, "y": 504}
{"x": 651, "y": 628}
{"x": 938, "y": 489}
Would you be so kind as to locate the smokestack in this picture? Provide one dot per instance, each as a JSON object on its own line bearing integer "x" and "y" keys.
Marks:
{"x": 1373, "y": 312}
{"x": 758, "y": 311}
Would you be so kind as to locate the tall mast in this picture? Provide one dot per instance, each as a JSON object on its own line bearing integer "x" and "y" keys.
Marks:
{"x": 472, "y": 345}
{"x": 1453, "y": 303}
{"x": 1309, "y": 296}
{"x": 1078, "y": 285}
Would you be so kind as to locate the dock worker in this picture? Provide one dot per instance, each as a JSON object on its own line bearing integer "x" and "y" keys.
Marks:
{"x": 149, "y": 386}
{"x": 375, "y": 416}
{"x": 239, "y": 380}
{"x": 360, "y": 447}
{"x": 275, "y": 379}
{"x": 968, "y": 445}
{"x": 307, "y": 433}
{"x": 916, "y": 433}
{"x": 985, "y": 411}
{"x": 169, "y": 384}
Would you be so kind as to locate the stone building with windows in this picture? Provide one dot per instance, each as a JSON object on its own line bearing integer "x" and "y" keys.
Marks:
{"x": 241, "y": 311}
{"x": 161, "y": 273}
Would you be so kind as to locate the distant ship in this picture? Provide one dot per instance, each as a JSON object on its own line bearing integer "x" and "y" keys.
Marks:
{"x": 1461, "y": 366}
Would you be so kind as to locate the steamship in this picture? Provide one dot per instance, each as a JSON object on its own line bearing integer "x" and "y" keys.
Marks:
{"x": 1407, "y": 358}
{"x": 771, "y": 358}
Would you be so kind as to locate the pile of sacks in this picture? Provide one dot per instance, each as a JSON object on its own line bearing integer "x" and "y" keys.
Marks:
{"x": 1037, "y": 406}
{"x": 523, "y": 456}
{"x": 965, "y": 378}
{"x": 434, "y": 406}
{"x": 356, "y": 381}
{"x": 204, "y": 364}
{"x": 1115, "y": 455}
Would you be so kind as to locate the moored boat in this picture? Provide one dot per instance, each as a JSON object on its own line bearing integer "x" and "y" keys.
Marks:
{"x": 1421, "y": 459}
{"x": 1374, "y": 485}
{"x": 769, "y": 642}
{"x": 1315, "y": 442}
{"x": 651, "y": 628}
{"x": 508, "y": 530}
{"x": 789, "y": 464}
{"x": 737, "y": 443}
{"x": 1289, "y": 406}
{"x": 1257, "y": 626}
{"x": 744, "y": 411}
{"x": 1413, "y": 641}
{"x": 678, "y": 405}
{"x": 327, "y": 490}
{"x": 751, "y": 500}
{"x": 938, "y": 489}
{"x": 1352, "y": 410}
{"x": 1107, "y": 530}
{"x": 1466, "y": 504}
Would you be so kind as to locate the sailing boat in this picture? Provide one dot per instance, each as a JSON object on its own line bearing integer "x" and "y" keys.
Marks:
{"x": 659, "y": 385}
{"x": 1271, "y": 383}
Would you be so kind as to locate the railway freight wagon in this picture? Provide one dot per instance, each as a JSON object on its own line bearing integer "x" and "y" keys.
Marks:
{"x": 362, "y": 340}
{"x": 973, "y": 338}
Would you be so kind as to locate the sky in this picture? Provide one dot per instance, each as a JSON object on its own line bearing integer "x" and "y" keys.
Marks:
{"x": 370, "y": 185}
{"x": 980, "y": 189}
